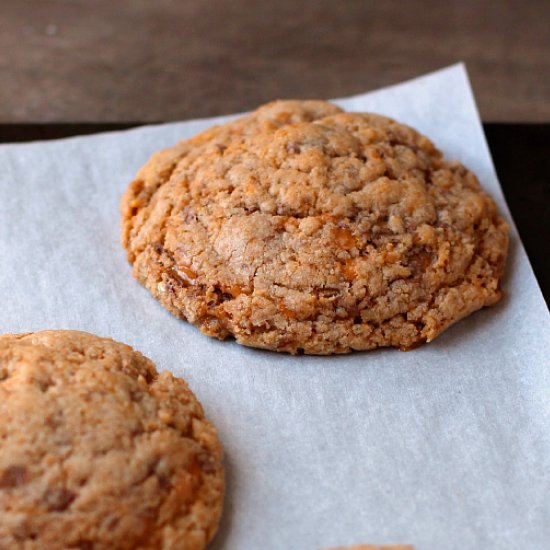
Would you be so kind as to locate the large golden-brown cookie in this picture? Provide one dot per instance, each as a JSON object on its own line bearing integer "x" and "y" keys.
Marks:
{"x": 99, "y": 452}
{"x": 301, "y": 227}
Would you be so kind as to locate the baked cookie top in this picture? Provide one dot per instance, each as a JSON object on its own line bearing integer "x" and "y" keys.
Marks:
{"x": 98, "y": 451}
{"x": 300, "y": 227}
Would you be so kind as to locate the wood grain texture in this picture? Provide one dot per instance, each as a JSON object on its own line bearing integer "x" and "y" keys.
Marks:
{"x": 126, "y": 60}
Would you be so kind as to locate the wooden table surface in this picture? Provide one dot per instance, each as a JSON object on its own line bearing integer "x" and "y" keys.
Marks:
{"x": 153, "y": 60}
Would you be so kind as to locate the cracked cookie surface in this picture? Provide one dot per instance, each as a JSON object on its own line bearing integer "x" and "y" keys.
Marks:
{"x": 300, "y": 227}
{"x": 98, "y": 451}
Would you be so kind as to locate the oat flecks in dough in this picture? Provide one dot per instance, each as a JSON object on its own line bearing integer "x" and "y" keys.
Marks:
{"x": 301, "y": 227}
{"x": 98, "y": 451}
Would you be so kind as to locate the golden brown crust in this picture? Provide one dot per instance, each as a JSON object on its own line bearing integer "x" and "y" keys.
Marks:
{"x": 301, "y": 227}
{"x": 99, "y": 451}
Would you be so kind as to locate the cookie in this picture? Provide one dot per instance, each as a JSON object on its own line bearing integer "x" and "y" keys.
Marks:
{"x": 376, "y": 547}
{"x": 300, "y": 227}
{"x": 98, "y": 451}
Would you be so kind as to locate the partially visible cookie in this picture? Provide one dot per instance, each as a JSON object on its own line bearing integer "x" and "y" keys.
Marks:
{"x": 100, "y": 452}
{"x": 376, "y": 547}
{"x": 303, "y": 228}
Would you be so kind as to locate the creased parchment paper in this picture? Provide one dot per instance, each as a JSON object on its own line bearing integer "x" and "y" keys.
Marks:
{"x": 445, "y": 447}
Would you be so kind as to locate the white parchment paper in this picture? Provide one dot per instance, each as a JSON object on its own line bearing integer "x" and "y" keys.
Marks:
{"x": 445, "y": 447}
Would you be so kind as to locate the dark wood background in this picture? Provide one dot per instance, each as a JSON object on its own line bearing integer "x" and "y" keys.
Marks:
{"x": 153, "y": 60}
